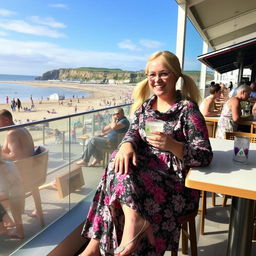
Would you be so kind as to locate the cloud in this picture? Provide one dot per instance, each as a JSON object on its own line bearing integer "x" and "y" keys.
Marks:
{"x": 63, "y": 6}
{"x": 6, "y": 13}
{"x": 21, "y": 26}
{"x": 47, "y": 21}
{"x": 2, "y": 33}
{"x": 145, "y": 43}
{"x": 35, "y": 58}
{"x": 151, "y": 43}
{"x": 128, "y": 44}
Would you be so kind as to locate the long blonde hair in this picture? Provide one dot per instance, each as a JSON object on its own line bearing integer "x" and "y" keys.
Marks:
{"x": 142, "y": 90}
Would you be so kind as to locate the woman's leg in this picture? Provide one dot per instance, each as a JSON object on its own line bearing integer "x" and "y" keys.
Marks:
{"x": 92, "y": 249}
{"x": 135, "y": 226}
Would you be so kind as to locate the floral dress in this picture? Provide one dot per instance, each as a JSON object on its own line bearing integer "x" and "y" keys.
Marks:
{"x": 155, "y": 187}
{"x": 225, "y": 123}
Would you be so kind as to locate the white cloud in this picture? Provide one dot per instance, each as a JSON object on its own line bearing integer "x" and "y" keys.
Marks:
{"x": 128, "y": 44}
{"x": 6, "y": 13}
{"x": 47, "y": 21}
{"x": 2, "y": 33}
{"x": 35, "y": 58}
{"x": 21, "y": 26}
{"x": 64, "y": 6}
{"x": 145, "y": 43}
{"x": 151, "y": 43}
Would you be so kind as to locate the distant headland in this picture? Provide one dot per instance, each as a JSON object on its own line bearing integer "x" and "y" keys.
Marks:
{"x": 104, "y": 75}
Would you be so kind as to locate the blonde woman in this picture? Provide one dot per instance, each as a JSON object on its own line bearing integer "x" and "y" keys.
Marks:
{"x": 231, "y": 113}
{"x": 142, "y": 195}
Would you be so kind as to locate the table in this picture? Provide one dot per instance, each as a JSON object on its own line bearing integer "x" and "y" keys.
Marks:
{"x": 83, "y": 137}
{"x": 225, "y": 176}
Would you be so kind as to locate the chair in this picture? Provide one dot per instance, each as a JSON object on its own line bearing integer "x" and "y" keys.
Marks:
{"x": 253, "y": 128}
{"x": 33, "y": 172}
{"x": 231, "y": 135}
{"x": 188, "y": 220}
{"x": 109, "y": 149}
{"x": 211, "y": 127}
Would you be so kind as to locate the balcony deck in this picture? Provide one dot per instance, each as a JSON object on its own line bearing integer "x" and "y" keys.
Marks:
{"x": 213, "y": 243}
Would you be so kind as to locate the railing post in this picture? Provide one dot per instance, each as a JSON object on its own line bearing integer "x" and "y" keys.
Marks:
{"x": 43, "y": 134}
{"x": 93, "y": 124}
{"x": 63, "y": 145}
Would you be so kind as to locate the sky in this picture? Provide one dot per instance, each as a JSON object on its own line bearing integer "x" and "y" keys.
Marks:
{"x": 41, "y": 35}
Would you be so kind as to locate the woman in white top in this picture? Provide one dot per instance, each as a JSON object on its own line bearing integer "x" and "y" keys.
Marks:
{"x": 231, "y": 113}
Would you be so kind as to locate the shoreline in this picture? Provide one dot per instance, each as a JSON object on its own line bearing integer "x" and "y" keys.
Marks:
{"x": 100, "y": 95}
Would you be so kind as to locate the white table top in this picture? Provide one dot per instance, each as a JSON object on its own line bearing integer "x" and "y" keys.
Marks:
{"x": 224, "y": 175}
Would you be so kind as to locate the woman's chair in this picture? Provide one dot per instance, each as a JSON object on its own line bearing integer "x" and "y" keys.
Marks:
{"x": 33, "y": 172}
{"x": 188, "y": 221}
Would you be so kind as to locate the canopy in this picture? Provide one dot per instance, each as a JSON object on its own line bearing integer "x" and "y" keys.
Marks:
{"x": 230, "y": 58}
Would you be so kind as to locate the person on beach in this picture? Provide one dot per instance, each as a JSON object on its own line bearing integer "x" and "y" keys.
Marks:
{"x": 18, "y": 144}
{"x": 18, "y": 103}
{"x": 109, "y": 136}
{"x": 142, "y": 195}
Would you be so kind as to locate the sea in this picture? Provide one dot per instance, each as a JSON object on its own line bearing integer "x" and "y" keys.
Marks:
{"x": 25, "y": 91}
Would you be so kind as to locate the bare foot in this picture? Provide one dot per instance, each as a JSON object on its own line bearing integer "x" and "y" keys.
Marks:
{"x": 94, "y": 162}
{"x": 82, "y": 163}
{"x": 8, "y": 222}
{"x": 32, "y": 214}
{"x": 92, "y": 249}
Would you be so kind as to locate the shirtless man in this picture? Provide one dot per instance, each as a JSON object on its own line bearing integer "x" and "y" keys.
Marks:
{"x": 18, "y": 144}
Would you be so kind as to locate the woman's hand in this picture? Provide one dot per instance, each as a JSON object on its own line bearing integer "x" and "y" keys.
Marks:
{"x": 160, "y": 140}
{"x": 167, "y": 143}
{"x": 123, "y": 156}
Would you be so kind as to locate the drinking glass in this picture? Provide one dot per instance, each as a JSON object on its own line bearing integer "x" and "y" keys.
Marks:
{"x": 241, "y": 149}
{"x": 153, "y": 125}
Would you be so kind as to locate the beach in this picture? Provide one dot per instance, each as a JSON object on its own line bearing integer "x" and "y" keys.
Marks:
{"x": 101, "y": 95}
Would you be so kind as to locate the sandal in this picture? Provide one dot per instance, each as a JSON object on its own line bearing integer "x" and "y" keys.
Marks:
{"x": 136, "y": 238}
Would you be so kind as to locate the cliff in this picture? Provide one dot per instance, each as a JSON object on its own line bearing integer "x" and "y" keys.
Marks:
{"x": 94, "y": 75}
{"x": 104, "y": 75}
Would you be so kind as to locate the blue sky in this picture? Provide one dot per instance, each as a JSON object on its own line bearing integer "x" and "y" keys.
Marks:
{"x": 37, "y": 36}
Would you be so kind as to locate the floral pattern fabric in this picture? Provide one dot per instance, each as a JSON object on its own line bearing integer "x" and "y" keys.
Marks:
{"x": 225, "y": 123}
{"x": 155, "y": 187}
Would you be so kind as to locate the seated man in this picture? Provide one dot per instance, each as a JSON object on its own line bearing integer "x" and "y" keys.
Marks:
{"x": 207, "y": 107}
{"x": 119, "y": 124}
{"x": 18, "y": 144}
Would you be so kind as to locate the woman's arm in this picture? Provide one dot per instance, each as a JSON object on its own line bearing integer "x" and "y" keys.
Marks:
{"x": 236, "y": 111}
{"x": 197, "y": 149}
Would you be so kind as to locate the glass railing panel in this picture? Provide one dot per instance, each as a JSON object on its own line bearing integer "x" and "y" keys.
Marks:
{"x": 85, "y": 127}
{"x": 65, "y": 183}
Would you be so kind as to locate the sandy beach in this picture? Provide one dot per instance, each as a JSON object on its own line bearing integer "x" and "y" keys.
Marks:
{"x": 101, "y": 95}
